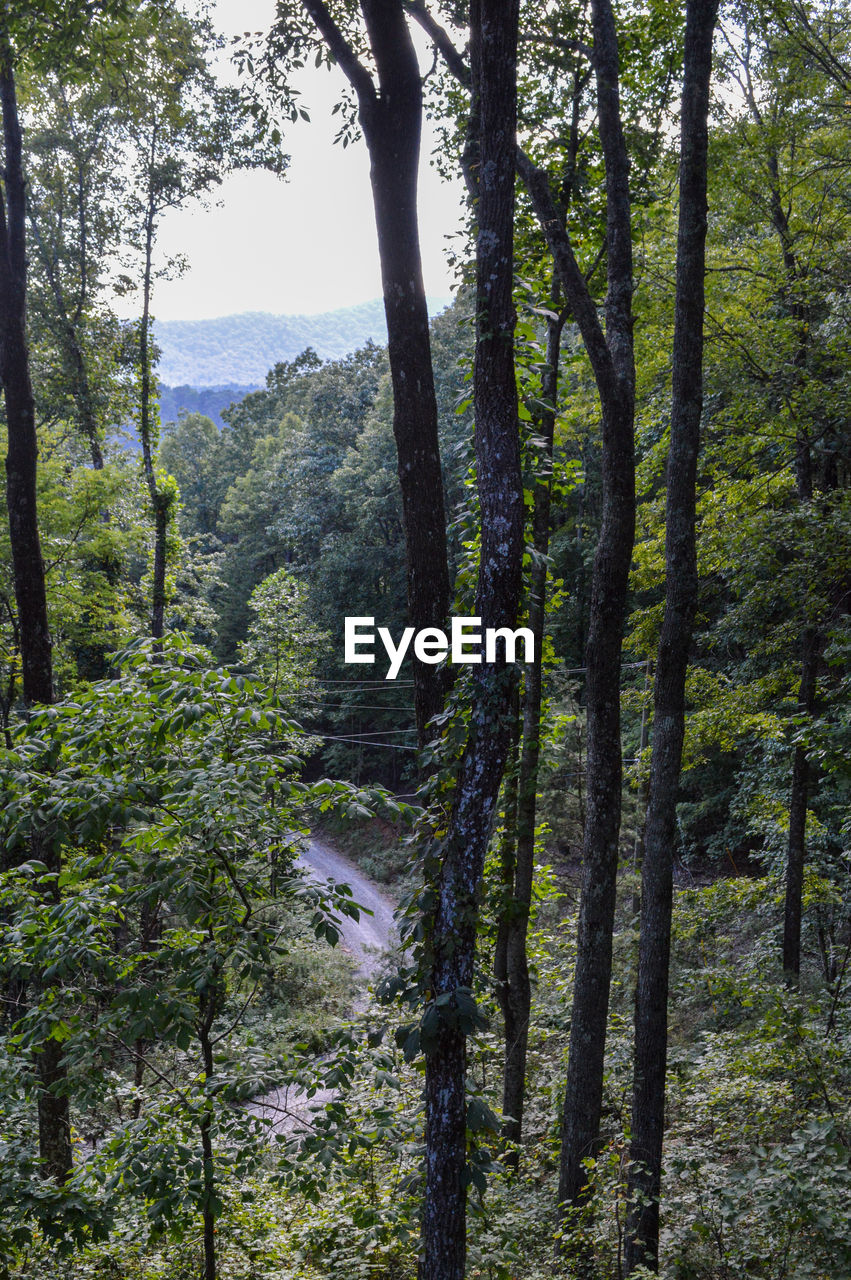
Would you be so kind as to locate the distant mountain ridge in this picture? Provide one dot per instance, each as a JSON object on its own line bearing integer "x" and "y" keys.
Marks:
{"x": 210, "y": 401}
{"x": 239, "y": 350}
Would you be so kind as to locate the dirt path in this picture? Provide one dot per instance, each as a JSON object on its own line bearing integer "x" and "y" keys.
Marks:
{"x": 370, "y": 936}
{"x": 288, "y": 1108}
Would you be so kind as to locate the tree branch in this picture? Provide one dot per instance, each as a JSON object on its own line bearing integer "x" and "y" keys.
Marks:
{"x": 560, "y": 43}
{"x": 442, "y": 41}
{"x": 342, "y": 52}
{"x": 537, "y": 183}
{"x": 396, "y": 61}
{"x": 573, "y": 282}
{"x": 618, "y": 210}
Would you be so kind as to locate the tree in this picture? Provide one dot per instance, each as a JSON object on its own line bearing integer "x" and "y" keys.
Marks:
{"x": 75, "y": 182}
{"x": 75, "y": 222}
{"x": 190, "y": 452}
{"x": 167, "y": 927}
{"x": 452, "y": 942}
{"x": 92, "y": 602}
{"x": 681, "y": 591}
{"x": 544, "y": 402}
{"x": 177, "y": 121}
{"x": 286, "y": 507}
{"x": 17, "y": 388}
{"x": 778, "y": 435}
{"x": 49, "y": 39}
{"x": 28, "y": 565}
{"x": 611, "y": 356}
{"x": 281, "y": 646}
{"x": 511, "y": 969}
{"x": 390, "y": 115}
{"x": 321, "y": 496}
{"x": 807, "y": 52}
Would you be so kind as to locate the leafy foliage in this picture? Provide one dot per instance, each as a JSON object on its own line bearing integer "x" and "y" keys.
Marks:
{"x": 168, "y": 797}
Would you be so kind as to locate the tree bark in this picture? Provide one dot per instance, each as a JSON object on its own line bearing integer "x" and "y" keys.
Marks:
{"x": 391, "y": 118}
{"x": 27, "y": 563}
{"x": 681, "y": 587}
{"x": 161, "y": 503}
{"x": 514, "y": 989}
{"x": 54, "y": 1120}
{"x": 810, "y": 639}
{"x": 507, "y": 854}
{"x": 611, "y": 356}
{"x": 22, "y": 451}
{"x": 493, "y": 26}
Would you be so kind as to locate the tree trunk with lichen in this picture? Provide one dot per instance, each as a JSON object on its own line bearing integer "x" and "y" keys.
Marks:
{"x": 54, "y": 1128}
{"x": 611, "y": 355}
{"x": 681, "y": 586}
{"x": 493, "y": 33}
{"x": 511, "y": 969}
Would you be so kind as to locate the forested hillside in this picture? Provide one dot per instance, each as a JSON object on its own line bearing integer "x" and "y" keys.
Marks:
{"x": 204, "y": 366}
{"x": 209, "y": 401}
{"x": 613, "y": 1035}
{"x": 240, "y": 350}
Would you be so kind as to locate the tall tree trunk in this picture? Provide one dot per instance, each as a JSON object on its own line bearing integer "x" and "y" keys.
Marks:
{"x": 514, "y": 989}
{"x": 54, "y": 1120}
{"x": 810, "y": 640}
{"x": 643, "y": 788}
{"x": 493, "y": 25}
{"x": 22, "y": 451}
{"x": 507, "y": 854}
{"x": 161, "y": 503}
{"x": 27, "y": 563}
{"x": 611, "y": 356}
{"x": 584, "y": 1086}
{"x": 681, "y": 585}
{"x": 391, "y": 118}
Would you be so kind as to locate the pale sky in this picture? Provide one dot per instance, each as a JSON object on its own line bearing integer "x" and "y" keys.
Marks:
{"x": 304, "y": 244}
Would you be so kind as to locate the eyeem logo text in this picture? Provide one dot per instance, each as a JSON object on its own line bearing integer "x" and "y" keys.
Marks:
{"x": 431, "y": 645}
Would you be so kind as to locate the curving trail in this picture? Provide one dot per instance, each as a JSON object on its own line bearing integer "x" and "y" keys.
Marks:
{"x": 287, "y": 1108}
{"x": 370, "y": 936}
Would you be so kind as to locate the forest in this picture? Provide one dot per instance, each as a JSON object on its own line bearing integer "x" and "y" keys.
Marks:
{"x": 238, "y": 351}
{"x": 608, "y": 1032}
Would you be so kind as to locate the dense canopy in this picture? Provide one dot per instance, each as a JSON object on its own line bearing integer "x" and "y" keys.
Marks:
{"x": 611, "y": 1031}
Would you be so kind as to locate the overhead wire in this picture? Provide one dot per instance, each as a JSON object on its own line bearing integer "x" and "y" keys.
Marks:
{"x": 364, "y": 742}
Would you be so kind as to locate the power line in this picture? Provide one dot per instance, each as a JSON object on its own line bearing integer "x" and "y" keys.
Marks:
{"x": 581, "y": 671}
{"x": 363, "y": 742}
{"x": 381, "y": 732}
{"x": 409, "y": 684}
{"x": 361, "y": 706}
{"x": 382, "y": 684}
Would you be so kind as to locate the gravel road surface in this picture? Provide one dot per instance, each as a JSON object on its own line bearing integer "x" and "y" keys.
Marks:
{"x": 370, "y": 936}
{"x": 287, "y": 1108}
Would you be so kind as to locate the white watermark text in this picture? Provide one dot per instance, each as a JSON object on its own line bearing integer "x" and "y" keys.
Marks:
{"x": 432, "y": 645}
